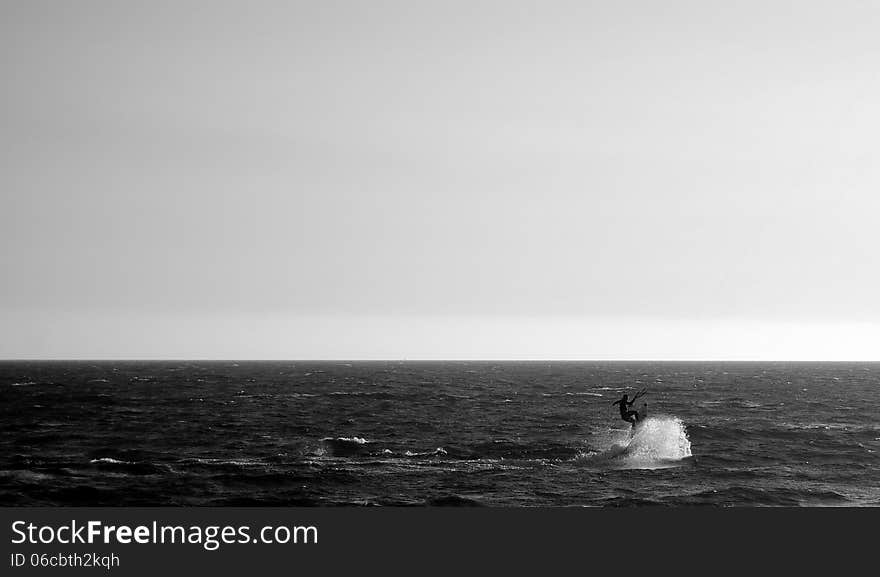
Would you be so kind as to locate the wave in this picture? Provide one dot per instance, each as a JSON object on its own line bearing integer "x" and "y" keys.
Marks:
{"x": 25, "y": 476}
{"x": 342, "y": 446}
{"x": 130, "y": 467}
{"x": 226, "y": 462}
{"x": 820, "y": 426}
{"x": 656, "y": 443}
{"x": 438, "y": 451}
{"x": 358, "y": 447}
{"x": 355, "y": 440}
{"x": 111, "y": 461}
{"x": 453, "y": 501}
{"x": 761, "y": 496}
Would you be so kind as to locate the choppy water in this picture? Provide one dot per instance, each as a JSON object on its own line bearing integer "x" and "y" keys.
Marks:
{"x": 398, "y": 433}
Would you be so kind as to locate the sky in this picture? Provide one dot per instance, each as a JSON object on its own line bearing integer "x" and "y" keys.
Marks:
{"x": 430, "y": 180}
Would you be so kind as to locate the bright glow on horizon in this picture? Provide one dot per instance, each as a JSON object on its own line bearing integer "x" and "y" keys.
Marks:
{"x": 158, "y": 336}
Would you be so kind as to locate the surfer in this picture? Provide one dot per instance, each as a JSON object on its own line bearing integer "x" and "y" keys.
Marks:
{"x": 630, "y": 416}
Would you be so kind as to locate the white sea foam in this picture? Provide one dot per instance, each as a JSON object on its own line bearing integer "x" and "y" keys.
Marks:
{"x": 234, "y": 462}
{"x": 356, "y": 440}
{"x": 657, "y": 442}
{"x": 437, "y": 451}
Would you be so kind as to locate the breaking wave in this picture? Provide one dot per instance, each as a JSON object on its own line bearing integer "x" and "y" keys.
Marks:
{"x": 342, "y": 446}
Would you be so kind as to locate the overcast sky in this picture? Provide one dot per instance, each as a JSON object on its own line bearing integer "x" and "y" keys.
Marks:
{"x": 366, "y": 179}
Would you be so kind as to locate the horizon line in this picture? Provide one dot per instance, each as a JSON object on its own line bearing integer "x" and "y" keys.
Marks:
{"x": 428, "y": 360}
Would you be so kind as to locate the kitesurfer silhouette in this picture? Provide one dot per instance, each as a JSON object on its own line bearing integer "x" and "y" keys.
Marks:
{"x": 626, "y": 414}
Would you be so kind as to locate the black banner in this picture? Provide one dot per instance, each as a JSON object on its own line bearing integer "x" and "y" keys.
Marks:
{"x": 145, "y": 541}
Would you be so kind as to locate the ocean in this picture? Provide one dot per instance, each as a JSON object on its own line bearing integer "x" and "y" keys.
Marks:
{"x": 438, "y": 433}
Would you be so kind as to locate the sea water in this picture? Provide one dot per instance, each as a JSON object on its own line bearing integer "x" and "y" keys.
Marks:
{"x": 446, "y": 433}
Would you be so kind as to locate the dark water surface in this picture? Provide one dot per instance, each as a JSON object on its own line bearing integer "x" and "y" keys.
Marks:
{"x": 415, "y": 433}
